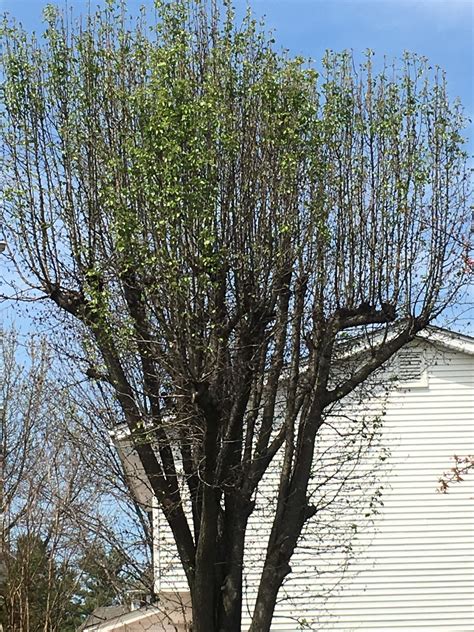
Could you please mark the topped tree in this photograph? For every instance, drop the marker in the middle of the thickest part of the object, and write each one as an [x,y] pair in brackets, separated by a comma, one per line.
[216,215]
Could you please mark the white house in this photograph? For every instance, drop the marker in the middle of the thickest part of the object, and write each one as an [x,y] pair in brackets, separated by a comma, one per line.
[387,551]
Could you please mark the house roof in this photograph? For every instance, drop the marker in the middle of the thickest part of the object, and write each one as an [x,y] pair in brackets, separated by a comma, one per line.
[171,612]
[452,340]
[445,338]
[100,615]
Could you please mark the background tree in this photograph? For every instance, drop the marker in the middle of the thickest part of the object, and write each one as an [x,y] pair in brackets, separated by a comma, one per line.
[212,217]
[103,577]
[55,504]
[37,493]
[39,590]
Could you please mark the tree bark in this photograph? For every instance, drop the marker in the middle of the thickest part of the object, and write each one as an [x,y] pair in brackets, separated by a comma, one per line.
[237,514]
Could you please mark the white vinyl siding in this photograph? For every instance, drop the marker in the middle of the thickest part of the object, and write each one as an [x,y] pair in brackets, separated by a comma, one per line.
[417,570]
[412,565]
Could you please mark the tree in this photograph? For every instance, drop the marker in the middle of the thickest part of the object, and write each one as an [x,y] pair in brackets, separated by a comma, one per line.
[211,218]
[54,502]
[104,579]
[38,593]
[36,494]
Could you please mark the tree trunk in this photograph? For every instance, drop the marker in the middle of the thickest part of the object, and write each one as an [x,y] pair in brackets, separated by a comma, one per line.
[273,574]
[238,511]
[293,511]
[203,593]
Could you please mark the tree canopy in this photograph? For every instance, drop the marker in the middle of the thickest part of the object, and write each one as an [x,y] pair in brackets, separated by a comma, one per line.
[212,217]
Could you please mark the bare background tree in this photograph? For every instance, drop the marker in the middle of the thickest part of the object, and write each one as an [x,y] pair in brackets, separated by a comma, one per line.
[212,218]
[63,549]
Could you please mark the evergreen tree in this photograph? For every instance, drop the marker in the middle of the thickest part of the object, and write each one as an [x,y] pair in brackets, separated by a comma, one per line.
[103,578]
[39,591]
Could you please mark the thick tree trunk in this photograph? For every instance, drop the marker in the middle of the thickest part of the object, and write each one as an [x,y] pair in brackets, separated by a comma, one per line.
[217,596]
[203,593]
[238,511]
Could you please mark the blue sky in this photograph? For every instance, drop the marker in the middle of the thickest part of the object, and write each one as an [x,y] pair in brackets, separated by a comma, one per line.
[442,30]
